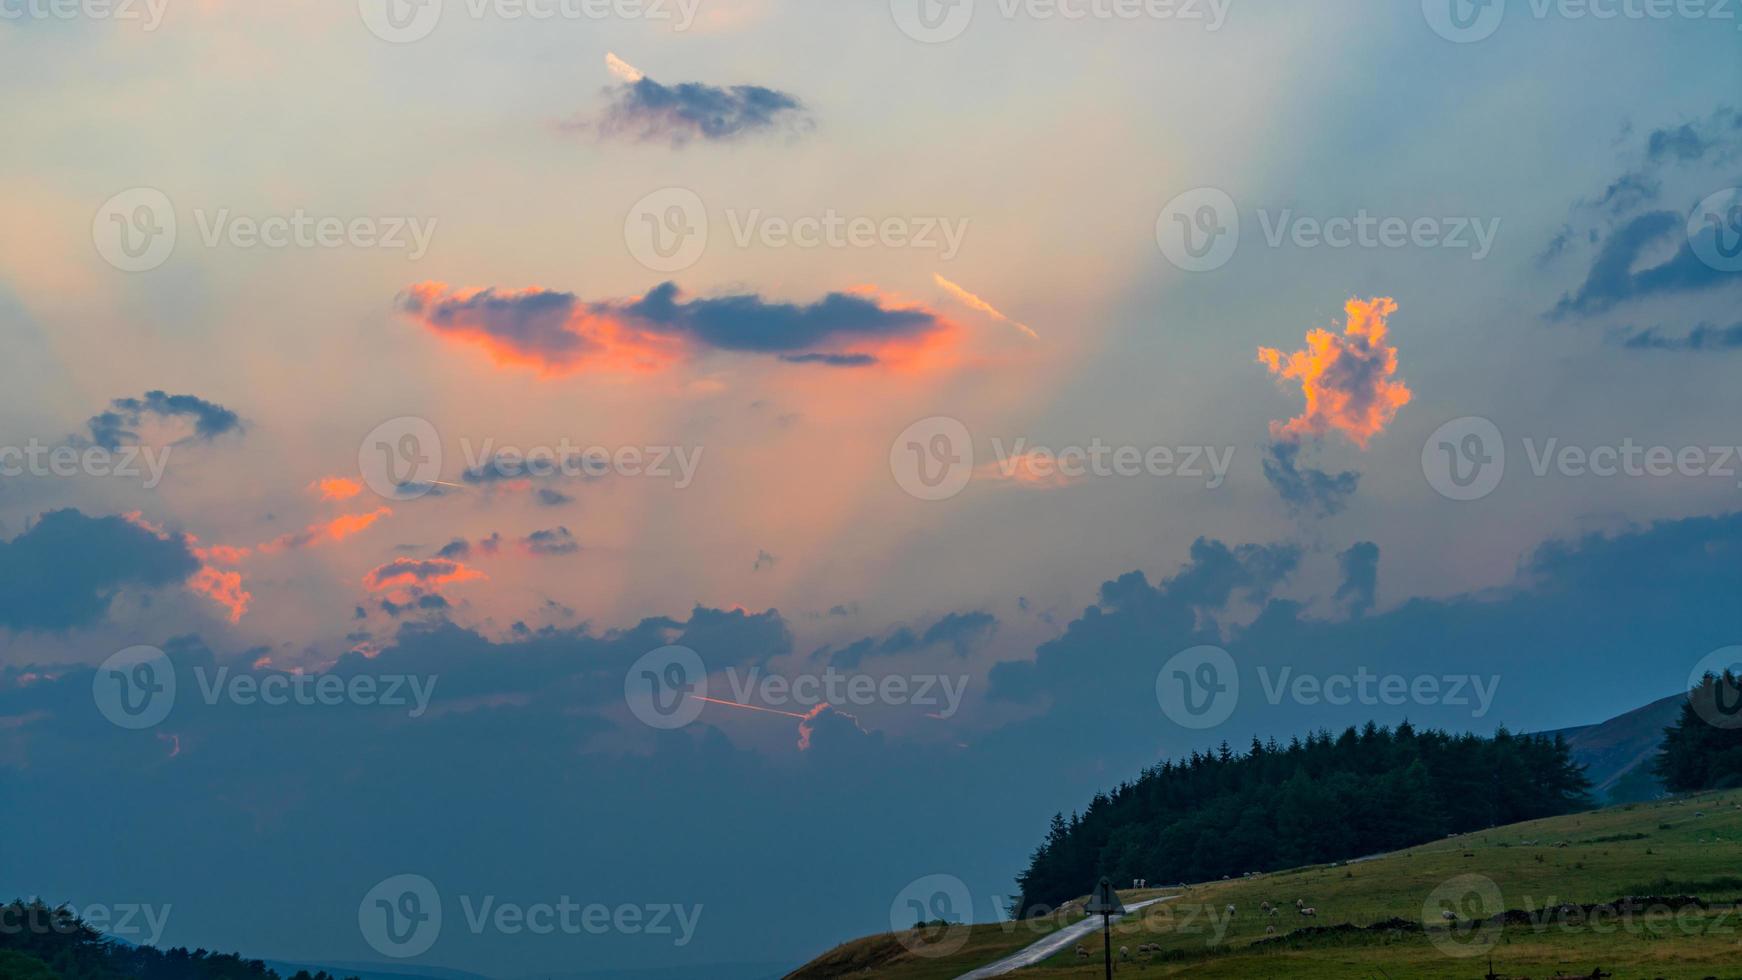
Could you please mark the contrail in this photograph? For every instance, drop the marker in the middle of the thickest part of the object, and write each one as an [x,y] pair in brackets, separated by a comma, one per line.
[752,707]
[974,302]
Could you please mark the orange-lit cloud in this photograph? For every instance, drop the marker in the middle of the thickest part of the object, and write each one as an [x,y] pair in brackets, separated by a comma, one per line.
[422,572]
[224,588]
[1034,469]
[557,333]
[337,529]
[336,487]
[1348,380]
[976,303]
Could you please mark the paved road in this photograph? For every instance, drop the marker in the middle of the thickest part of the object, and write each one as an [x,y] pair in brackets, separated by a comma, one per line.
[1052,944]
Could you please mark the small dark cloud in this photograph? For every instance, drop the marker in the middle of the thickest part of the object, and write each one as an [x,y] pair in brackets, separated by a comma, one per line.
[429,602]
[457,548]
[116,427]
[763,560]
[550,542]
[648,111]
[64,570]
[1705,336]
[1360,569]
[1303,488]
[832,360]
[553,498]
[959,631]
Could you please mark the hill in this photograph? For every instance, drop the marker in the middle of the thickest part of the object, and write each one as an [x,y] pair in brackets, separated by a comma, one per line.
[1618,754]
[1537,896]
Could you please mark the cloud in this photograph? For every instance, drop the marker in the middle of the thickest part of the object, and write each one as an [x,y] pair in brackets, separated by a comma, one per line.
[424,572]
[63,571]
[1615,278]
[550,542]
[1305,489]
[336,488]
[960,632]
[644,110]
[1360,567]
[556,333]
[337,529]
[1704,336]
[1348,380]
[763,560]
[553,498]
[115,427]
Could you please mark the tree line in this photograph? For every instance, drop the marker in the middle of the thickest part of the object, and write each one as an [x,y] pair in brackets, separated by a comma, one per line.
[1703,749]
[42,942]
[1318,799]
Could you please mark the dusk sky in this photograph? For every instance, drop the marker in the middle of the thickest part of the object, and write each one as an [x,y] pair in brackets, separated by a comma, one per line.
[963,363]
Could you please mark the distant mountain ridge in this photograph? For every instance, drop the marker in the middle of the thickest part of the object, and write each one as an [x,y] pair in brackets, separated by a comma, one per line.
[1618,754]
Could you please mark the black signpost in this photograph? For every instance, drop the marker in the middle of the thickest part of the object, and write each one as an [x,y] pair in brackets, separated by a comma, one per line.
[1105,901]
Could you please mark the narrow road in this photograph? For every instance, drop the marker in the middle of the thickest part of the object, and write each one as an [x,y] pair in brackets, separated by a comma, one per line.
[1053,943]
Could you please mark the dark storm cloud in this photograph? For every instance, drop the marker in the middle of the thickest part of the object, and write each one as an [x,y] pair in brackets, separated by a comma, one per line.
[1614,279]
[1360,569]
[63,571]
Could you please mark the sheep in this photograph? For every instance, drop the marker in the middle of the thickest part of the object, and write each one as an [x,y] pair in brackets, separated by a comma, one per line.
[1273,911]
[1270,930]
[1300,903]
[1448,915]
[1264,906]
[1309,910]
[1082,954]
[1230,910]
[1124,954]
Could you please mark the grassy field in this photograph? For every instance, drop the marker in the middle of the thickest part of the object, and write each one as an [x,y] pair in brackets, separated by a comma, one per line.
[1383,918]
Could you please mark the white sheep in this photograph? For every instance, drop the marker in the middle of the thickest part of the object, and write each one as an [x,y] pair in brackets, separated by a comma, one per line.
[1125,954]
[1448,915]
[1309,910]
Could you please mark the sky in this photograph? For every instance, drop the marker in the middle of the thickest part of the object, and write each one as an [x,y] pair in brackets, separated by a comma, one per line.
[740,463]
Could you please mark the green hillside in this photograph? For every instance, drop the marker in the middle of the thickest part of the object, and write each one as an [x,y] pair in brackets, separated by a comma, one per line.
[1383,917]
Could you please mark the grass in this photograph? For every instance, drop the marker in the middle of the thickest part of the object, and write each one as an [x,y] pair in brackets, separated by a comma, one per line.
[1388,911]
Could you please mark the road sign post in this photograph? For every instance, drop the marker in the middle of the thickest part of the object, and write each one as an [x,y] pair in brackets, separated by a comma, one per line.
[1105,901]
